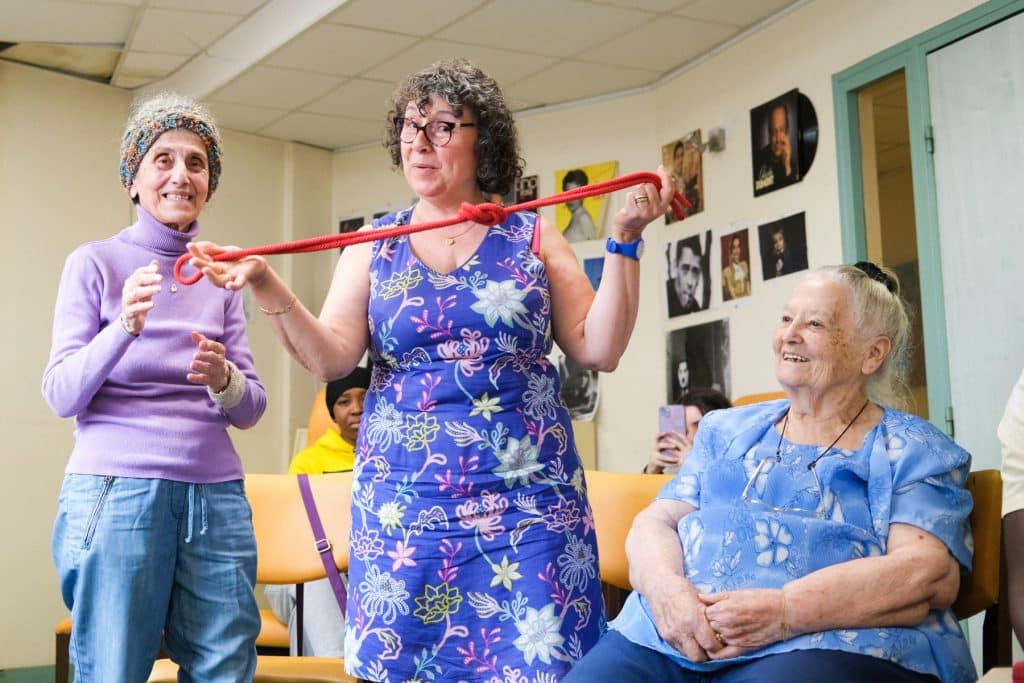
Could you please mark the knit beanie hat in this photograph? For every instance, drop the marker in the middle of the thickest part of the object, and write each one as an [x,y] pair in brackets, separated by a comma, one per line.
[359,378]
[153,117]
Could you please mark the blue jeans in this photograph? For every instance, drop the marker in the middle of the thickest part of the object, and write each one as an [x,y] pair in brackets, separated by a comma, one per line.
[617,659]
[141,559]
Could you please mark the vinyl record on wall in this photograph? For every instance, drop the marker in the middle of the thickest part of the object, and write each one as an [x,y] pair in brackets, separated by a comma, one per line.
[808,127]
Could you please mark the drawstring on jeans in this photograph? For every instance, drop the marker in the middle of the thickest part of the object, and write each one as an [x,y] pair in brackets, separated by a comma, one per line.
[191,510]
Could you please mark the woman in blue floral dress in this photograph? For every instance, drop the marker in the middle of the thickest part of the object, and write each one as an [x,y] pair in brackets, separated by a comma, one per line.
[473,554]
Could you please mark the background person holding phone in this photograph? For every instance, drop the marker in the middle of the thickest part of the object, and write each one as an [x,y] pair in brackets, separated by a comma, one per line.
[677,425]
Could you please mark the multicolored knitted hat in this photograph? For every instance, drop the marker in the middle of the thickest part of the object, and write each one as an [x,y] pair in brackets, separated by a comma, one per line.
[154,117]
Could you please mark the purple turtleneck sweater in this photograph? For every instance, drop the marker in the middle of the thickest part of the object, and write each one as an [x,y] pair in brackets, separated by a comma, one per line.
[135,413]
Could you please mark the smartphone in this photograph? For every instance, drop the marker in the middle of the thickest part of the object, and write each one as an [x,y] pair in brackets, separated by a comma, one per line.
[672,418]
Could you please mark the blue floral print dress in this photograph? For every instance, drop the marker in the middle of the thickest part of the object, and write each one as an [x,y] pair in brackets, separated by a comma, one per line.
[473,554]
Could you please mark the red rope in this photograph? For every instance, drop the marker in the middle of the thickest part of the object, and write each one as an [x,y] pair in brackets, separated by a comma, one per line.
[484,213]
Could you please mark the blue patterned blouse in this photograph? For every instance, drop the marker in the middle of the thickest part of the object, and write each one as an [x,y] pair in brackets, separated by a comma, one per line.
[790,524]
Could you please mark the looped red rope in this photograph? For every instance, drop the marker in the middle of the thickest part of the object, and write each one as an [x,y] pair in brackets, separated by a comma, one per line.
[484,213]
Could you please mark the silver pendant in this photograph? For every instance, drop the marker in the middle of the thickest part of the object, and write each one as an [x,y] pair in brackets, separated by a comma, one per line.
[174,288]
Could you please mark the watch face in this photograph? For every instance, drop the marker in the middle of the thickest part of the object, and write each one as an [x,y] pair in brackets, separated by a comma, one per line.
[639,248]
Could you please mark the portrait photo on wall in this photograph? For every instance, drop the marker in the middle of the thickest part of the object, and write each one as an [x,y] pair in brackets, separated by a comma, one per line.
[775,149]
[583,220]
[525,189]
[593,267]
[735,248]
[698,356]
[783,246]
[580,391]
[688,274]
[684,160]
[351,224]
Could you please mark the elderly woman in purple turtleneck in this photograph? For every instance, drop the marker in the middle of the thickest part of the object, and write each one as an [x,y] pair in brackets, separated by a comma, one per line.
[153,537]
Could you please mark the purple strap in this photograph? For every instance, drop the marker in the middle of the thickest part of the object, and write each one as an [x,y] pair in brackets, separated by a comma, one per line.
[322,544]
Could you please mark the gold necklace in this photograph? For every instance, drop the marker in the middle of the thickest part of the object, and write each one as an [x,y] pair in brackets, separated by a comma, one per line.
[450,241]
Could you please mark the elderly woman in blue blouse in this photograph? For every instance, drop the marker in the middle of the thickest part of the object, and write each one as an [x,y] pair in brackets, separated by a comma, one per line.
[819,537]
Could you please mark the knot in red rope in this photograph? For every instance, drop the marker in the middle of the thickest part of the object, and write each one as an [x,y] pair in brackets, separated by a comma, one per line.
[485,214]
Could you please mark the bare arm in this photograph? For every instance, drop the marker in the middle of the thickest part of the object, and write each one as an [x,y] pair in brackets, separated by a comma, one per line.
[656,572]
[917,574]
[594,329]
[329,346]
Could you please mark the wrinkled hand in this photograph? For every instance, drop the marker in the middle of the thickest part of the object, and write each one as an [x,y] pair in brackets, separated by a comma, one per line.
[670,450]
[226,274]
[634,216]
[209,365]
[747,619]
[679,617]
[137,297]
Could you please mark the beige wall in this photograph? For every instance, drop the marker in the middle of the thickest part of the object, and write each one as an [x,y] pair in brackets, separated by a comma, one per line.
[58,188]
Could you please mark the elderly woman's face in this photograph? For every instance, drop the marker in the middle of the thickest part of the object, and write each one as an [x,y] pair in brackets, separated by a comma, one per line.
[442,172]
[173,180]
[817,344]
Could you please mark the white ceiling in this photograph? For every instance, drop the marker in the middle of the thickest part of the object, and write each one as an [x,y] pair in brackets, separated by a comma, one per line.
[319,71]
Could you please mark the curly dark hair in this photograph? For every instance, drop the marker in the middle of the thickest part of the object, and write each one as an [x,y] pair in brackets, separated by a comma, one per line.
[462,84]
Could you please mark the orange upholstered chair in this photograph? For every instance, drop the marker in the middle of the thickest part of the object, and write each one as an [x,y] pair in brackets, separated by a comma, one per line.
[319,419]
[758,398]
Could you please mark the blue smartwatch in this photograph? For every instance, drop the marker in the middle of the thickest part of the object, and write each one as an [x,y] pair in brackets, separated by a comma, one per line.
[633,250]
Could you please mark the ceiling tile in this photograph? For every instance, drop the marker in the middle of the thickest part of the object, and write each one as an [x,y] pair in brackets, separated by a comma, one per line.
[661,45]
[355,99]
[131,3]
[267,86]
[180,33]
[741,13]
[651,5]
[52,21]
[78,60]
[420,18]
[561,29]
[243,117]
[149,64]
[576,80]
[218,7]
[339,50]
[130,82]
[330,132]
[503,66]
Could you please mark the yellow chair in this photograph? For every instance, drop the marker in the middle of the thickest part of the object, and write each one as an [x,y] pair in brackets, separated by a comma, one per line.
[285,552]
[758,398]
[319,419]
[984,589]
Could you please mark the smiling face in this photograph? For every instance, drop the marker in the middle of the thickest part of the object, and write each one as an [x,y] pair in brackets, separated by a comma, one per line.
[735,251]
[817,343]
[348,411]
[779,131]
[445,173]
[173,180]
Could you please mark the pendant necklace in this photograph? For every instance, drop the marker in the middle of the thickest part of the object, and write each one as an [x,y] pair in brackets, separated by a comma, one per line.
[811,465]
[450,241]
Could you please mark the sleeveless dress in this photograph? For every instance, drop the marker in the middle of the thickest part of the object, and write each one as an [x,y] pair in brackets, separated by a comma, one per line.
[473,553]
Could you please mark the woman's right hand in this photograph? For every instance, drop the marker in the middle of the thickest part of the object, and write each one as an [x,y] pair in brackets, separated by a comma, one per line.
[679,617]
[226,274]
[137,297]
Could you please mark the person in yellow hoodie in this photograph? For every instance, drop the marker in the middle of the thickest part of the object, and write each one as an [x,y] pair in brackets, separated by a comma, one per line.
[335,450]
[323,629]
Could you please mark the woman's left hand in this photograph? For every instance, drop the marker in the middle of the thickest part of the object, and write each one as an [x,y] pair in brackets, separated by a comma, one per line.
[643,204]
[746,619]
[209,365]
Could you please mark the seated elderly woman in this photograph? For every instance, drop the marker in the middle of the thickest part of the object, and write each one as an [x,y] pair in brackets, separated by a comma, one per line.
[819,537]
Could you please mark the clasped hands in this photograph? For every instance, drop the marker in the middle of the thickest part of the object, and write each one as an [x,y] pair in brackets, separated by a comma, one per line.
[717,626]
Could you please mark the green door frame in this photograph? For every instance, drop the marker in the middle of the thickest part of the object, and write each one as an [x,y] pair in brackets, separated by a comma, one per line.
[910,56]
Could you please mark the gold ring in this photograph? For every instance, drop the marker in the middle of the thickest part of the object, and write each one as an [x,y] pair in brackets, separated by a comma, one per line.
[640,199]
[719,637]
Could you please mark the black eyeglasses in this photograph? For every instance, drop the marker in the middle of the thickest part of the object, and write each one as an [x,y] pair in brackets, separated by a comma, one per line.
[439,133]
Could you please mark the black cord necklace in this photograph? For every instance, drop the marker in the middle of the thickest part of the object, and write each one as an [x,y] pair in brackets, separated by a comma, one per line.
[811,465]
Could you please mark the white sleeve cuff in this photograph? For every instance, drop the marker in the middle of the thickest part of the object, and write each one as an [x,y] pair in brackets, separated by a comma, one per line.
[233,392]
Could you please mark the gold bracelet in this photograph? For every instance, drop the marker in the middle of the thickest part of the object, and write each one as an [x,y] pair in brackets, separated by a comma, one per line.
[289,306]
[786,628]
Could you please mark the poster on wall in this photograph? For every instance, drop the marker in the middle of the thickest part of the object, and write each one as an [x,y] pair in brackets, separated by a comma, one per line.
[684,160]
[580,389]
[698,356]
[593,267]
[525,189]
[350,224]
[774,128]
[783,245]
[583,220]
[688,274]
[735,248]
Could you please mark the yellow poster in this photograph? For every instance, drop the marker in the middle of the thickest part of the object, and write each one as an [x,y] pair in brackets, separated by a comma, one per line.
[583,220]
